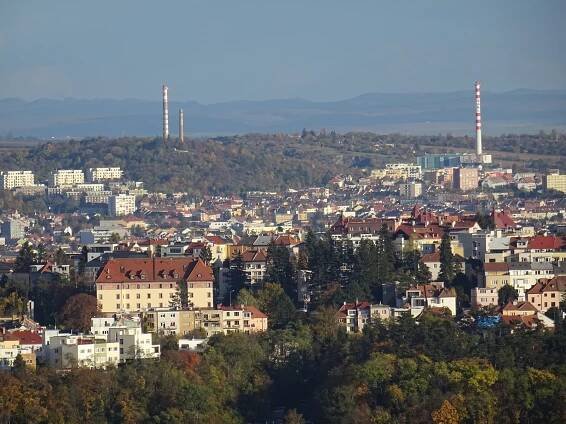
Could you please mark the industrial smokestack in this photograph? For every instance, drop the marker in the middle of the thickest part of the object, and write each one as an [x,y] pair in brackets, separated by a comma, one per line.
[165,115]
[181,126]
[478,121]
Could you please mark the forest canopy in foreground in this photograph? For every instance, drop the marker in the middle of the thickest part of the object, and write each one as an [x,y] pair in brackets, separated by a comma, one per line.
[312,371]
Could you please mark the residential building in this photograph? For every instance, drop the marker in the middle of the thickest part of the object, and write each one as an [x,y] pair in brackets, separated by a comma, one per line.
[433,295]
[484,297]
[15,179]
[104,174]
[140,284]
[546,294]
[411,190]
[10,349]
[66,178]
[432,261]
[64,351]
[354,316]
[121,204]
[255,265]
[465,179]
[133,342]
[13,229]
[555,181]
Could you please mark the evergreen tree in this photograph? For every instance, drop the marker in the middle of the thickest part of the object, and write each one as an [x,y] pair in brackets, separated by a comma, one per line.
[83,260]
[447,263]
[238,276]
[281,269]
[385,261]
[26,258]
[205,255]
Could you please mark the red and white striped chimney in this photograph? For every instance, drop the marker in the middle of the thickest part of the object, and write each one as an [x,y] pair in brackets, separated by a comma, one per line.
[478,120]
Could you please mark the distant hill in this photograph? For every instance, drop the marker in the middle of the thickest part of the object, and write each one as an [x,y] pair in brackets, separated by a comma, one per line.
[432,113]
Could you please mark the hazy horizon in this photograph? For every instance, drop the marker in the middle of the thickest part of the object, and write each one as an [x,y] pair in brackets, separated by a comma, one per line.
[215,52]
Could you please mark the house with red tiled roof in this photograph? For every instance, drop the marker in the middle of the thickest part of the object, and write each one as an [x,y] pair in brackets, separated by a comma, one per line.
[425,238]
[547,293]
[354,316]
[524,314]
[502,220]
[255,265]
[426,296]
[137,284]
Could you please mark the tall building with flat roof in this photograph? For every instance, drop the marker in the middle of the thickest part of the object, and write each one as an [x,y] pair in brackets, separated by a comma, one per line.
[555,181]
[104,174]
[13,229]
[121,204]
[66,177]
[466,179]
[15,179]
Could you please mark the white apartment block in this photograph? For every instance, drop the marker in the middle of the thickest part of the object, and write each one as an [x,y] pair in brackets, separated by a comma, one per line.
[66,178]
[121,204]
[15,179]
[403,171]
[104,174]
[64,351]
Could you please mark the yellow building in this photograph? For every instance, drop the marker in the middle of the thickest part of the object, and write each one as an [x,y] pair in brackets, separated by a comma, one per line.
[496,275]
[134,285]
[555,181]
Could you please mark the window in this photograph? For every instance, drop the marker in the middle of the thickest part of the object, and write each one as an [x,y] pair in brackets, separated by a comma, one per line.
[117,286]
[127,306]
[149,305]
[209,294]
[117,296]
[138,305]
[138,296]
[117,306]
[161,295]
[99,297]
[149,295]
[127,295]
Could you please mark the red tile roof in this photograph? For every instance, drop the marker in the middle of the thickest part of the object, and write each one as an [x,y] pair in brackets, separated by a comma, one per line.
[254,256]
[24,337]
[154,270]
[496,267]
[547,243]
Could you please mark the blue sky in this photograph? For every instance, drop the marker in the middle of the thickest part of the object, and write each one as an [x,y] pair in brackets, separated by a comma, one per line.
[218,50]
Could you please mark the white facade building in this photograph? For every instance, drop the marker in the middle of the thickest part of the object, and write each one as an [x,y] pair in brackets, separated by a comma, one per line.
[121,204]
[66,177]
[104,174]
[14,179]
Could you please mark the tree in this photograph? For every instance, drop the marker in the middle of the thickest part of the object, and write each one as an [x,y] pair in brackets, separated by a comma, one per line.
[238,276]
[19,366]
[83,260]
[114,238]
[281,269]
[61,257]
[13,305]
[77,312]
[205,255]
[447,263]
[180,299]
[507,294]
[446,414]
[26,258]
